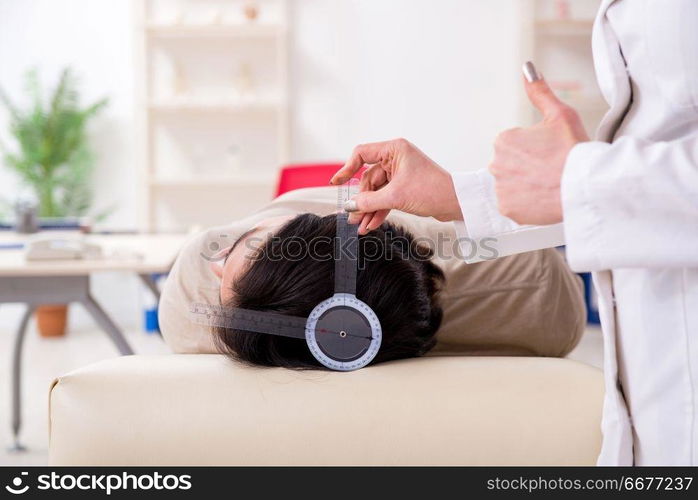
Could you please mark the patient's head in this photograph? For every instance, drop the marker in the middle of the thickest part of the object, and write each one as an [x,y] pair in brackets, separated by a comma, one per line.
[395,278]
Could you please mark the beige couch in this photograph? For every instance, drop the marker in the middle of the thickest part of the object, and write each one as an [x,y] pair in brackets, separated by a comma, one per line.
[205,409]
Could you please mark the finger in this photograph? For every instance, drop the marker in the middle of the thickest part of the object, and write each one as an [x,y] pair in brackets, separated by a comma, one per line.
[364,223]
[371,201]
[373,178]
[365,153]
[356,217]
[377,219]
[539,93]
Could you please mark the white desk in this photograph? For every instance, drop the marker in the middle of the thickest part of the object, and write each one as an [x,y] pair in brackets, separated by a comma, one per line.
[50,282]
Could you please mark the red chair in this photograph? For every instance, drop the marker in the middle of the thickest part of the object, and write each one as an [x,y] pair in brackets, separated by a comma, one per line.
[307,175]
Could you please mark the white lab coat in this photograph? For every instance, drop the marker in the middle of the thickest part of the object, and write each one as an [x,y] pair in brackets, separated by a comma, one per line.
[630,207]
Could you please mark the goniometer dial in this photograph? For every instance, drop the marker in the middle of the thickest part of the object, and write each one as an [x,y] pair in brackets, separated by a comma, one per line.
[343,333]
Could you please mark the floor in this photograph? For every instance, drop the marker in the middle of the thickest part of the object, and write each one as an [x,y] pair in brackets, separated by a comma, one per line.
[46,359]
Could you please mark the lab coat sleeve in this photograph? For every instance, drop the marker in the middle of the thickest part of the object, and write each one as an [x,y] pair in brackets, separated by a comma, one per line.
[484,234]
[632,203]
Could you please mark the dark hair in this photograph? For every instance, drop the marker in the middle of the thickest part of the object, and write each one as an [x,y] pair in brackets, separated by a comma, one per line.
[396,278]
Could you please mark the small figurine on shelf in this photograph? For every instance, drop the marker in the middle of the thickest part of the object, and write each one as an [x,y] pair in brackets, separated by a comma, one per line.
[178,16]
[251,10]
[233,157]
[180,86]
[244,82]
[218,16]
[562,9]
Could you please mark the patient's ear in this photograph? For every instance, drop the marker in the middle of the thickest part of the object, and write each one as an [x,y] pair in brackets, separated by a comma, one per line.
[217,269]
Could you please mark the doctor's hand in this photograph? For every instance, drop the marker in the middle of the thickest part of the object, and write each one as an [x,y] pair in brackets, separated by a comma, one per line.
[528,162]
[399,176]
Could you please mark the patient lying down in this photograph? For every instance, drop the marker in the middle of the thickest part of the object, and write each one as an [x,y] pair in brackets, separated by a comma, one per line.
[400,285]
[528,304]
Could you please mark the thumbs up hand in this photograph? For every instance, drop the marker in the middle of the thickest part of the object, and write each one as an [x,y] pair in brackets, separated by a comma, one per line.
[528,162]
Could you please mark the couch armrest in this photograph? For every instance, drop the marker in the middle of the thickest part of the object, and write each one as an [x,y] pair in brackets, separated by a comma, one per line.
[205,409]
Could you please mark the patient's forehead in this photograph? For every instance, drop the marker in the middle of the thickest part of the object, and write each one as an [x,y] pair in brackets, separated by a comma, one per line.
[240,255]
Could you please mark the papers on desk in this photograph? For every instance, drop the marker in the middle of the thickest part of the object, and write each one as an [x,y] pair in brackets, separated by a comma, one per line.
[52,247]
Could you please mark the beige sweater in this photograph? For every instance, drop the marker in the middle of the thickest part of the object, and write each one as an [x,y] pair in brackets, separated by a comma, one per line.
[528,304]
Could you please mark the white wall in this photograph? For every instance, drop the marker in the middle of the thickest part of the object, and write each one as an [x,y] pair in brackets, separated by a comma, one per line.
[95,38]
[443,73]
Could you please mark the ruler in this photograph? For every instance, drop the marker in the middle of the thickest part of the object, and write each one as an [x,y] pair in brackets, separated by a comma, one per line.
[248,320]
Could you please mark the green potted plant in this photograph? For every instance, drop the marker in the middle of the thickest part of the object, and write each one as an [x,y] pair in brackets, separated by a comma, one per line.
[53,158]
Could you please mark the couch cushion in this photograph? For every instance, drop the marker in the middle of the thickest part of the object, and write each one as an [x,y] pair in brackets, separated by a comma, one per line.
[206,409]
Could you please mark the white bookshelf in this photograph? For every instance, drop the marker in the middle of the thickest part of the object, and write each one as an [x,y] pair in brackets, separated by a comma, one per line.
[560,45]
[216,30]
[213,101]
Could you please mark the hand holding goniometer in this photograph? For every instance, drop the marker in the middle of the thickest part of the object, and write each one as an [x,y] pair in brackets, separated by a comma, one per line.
[399,176]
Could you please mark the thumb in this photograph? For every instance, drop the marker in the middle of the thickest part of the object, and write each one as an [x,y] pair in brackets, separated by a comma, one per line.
[370,201]
[539,93]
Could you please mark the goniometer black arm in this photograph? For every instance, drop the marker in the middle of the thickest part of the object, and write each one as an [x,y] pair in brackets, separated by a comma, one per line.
[346,255]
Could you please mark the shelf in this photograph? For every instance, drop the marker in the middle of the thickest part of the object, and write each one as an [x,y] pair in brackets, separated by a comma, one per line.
[565,27]
[216,31]
[242,180]
[265,106]
[193,106]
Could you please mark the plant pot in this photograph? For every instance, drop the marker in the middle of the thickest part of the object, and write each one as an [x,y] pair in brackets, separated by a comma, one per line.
[51,320]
